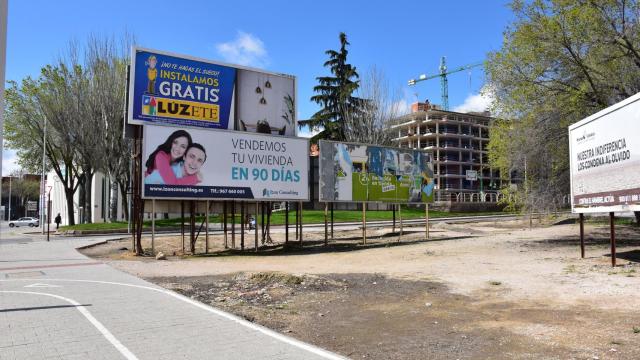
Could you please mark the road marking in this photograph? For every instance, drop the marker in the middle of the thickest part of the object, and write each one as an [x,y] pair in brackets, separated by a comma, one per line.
[49,266]
[286,339]
[98,325]
[39,285]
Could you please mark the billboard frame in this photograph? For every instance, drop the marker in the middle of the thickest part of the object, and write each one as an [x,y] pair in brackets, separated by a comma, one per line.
[430,153]
[132,74]
[246,200]
[594,117]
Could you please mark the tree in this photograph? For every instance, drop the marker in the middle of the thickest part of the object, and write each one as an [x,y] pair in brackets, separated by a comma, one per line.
[561,60]
[28,105]
[376,108]
[334,94]
[106,62]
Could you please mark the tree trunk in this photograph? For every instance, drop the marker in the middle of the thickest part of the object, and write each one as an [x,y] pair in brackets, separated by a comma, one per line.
[88,206]
[125,199]
[113,202]
[69,197]
[637,214]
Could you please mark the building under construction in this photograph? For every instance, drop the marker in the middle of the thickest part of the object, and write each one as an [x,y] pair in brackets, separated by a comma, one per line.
[458,142]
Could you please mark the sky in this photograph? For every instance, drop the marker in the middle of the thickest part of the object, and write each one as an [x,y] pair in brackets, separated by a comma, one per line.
[403,39]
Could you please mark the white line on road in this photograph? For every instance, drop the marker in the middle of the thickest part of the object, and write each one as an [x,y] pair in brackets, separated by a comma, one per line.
[103,330]
[286,339]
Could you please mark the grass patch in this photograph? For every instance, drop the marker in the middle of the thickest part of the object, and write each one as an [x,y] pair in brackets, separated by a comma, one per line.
[278,218]
[495,283]
[636,329]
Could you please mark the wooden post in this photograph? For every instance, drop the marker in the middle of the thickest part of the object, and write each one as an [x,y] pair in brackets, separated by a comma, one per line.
[192,227]
[262,223]
[256,229]
[393,207]
[182,223]
[242,222]
[286,223]
[400,218]
[326,224]
[206,230]
[612,227]
[364,223]
[233,224]
[224,226]
[153,226]
[297,219]
[582,235]
[426,219]
[331,221]
[300,223]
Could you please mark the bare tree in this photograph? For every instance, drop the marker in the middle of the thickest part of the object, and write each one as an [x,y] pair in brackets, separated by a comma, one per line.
[106,61]
[377,107]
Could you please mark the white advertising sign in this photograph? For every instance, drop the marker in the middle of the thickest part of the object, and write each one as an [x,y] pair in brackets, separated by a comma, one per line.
[203,164]
[605,159]
[471,175]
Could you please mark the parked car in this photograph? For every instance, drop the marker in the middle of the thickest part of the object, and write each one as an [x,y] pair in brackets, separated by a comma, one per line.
[25,221]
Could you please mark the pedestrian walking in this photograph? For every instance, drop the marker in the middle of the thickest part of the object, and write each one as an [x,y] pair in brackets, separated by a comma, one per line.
[58,220]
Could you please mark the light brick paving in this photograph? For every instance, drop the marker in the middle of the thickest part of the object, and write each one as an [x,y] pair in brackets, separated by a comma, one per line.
[151,324]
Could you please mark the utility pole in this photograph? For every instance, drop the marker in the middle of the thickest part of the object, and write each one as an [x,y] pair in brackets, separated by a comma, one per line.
[3,59]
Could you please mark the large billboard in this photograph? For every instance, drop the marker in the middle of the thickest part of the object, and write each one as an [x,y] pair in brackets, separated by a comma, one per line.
[605,159]
[189,163]
[367,173]
[178,90]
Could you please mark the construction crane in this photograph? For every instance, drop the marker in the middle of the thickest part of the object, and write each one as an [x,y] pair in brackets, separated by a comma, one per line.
[443,79]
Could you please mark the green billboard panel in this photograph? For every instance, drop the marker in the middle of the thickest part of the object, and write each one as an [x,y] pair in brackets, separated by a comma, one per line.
[370,173]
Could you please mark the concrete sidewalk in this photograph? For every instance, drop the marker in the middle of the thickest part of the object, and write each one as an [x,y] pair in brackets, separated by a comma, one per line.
[57,303]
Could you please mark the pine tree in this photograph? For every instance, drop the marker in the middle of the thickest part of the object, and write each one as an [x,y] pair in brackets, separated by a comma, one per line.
[334,94]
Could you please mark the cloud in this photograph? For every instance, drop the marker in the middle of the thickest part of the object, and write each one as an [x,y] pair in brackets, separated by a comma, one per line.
[306,133]
[246,49]
[476,102]
[9,162]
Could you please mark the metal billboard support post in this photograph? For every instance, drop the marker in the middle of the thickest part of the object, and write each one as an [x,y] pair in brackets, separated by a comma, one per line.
[364,223]
[192,227]
[582,235]
[262,233]
[206,230]
[612,227]
[153,226]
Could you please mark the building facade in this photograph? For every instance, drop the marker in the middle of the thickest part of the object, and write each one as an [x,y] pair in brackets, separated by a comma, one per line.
[458,142]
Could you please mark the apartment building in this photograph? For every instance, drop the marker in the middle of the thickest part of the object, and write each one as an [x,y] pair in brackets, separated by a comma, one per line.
[458,142]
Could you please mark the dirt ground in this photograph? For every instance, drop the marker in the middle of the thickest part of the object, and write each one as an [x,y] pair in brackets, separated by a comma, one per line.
[477,290]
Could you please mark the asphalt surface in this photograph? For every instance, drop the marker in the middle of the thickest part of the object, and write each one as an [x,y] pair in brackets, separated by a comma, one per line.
[56,303]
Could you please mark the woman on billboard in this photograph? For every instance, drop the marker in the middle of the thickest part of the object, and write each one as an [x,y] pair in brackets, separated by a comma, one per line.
[168,154]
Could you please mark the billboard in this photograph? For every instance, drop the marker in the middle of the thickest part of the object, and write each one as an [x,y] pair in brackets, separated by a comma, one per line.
[605,159]
[170,89]
[187,163]
[367,173]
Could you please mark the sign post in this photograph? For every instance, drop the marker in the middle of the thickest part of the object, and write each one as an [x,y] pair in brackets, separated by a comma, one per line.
[604,153]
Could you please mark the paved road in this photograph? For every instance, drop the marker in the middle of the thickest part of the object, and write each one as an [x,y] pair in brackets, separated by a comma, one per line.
[56,303]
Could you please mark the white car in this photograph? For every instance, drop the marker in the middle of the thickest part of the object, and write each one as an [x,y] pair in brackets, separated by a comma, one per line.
[25,221]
